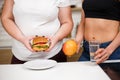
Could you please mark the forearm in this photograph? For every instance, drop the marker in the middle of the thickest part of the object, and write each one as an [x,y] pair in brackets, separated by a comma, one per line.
[65,18]
[7,19]
[80,30]
[12,29]
[115,43]
[80,33]
[64,30]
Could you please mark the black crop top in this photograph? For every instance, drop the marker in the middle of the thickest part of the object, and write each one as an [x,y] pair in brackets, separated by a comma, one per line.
[106,9]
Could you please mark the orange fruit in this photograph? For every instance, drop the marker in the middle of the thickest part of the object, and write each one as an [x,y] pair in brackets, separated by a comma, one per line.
[69,47]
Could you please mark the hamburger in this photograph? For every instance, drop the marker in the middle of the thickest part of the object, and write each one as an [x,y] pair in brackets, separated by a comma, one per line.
[40,43]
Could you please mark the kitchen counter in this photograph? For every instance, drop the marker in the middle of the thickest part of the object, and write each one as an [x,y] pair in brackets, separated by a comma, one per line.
[62,71]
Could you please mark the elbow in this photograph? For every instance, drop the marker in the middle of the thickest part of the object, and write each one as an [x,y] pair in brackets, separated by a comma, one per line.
[4,19]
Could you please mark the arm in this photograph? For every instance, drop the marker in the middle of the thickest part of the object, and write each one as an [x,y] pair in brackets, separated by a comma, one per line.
[9,24]
[65,17]
[80,30]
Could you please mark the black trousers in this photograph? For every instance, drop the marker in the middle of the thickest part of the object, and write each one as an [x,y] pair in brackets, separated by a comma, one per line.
[111,70]
[60,57]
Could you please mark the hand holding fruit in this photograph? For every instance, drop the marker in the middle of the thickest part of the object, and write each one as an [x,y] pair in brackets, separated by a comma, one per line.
[69,47]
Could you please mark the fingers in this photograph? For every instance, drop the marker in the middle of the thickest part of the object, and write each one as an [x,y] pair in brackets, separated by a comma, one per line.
[102,59]
[28,46]
[101,56]
[78,49]
[99,53]
[78,45]
[52,44]
[27,42]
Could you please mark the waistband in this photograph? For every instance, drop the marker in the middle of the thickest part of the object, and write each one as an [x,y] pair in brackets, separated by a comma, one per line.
[102,45]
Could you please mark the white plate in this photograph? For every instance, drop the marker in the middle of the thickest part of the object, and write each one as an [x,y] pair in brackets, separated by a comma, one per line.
[40,64]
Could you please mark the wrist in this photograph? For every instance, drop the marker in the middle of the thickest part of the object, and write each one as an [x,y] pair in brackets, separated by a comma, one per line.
[22,39]
[78,40]
[109,50]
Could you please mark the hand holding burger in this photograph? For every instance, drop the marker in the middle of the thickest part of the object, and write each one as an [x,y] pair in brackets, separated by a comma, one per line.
[40,43]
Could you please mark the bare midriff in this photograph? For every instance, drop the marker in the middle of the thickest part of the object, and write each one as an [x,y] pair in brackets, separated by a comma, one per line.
[101,30]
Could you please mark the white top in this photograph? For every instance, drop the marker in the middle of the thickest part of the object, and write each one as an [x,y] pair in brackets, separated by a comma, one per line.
[72,71]
[37,17]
